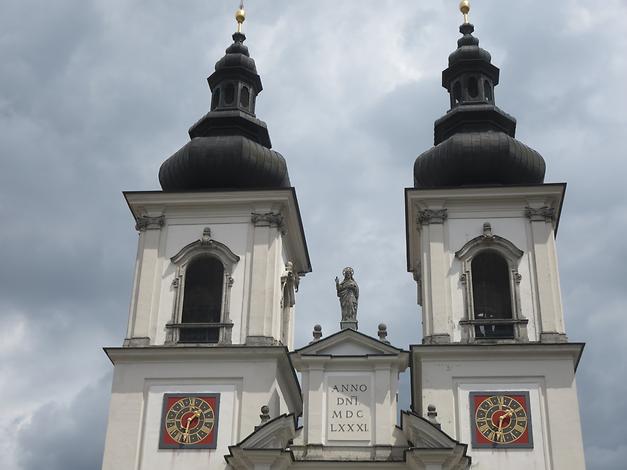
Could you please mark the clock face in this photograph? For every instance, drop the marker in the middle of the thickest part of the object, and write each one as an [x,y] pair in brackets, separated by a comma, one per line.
[500,420]
[189,421]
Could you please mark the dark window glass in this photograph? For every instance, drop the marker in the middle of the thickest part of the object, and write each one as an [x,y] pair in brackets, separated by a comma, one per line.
[215,99]
[244,99]
[229,94]
[491,295]
[473,87]
[487,89]
[202,300]
[457,92]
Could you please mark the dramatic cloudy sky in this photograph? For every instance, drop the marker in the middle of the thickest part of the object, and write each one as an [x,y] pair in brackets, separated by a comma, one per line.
[95,94]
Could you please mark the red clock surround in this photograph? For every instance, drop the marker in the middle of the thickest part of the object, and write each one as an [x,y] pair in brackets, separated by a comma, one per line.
[500,420]
[189,421]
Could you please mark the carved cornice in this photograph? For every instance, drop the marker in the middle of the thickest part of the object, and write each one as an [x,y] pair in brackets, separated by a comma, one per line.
[541,214]
[144,223]
[432,216]
[269,219]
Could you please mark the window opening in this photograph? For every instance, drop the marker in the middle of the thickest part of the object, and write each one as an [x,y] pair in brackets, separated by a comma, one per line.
[487,91]
[473,87]
[229,94]
[215,98]
[202,300]
[244,100]
[491,295]
[457,93]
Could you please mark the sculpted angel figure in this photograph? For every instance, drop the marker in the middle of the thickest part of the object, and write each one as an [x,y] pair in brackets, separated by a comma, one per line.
[348,292]
[289,285]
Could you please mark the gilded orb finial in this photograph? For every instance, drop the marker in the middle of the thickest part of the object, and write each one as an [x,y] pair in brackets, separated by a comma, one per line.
[240,16]
[464,7]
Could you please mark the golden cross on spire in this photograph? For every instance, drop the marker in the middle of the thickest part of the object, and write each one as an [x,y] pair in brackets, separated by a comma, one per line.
[464,7]
[240,16]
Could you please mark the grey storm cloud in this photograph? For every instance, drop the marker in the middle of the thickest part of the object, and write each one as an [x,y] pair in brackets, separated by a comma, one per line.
[95,94]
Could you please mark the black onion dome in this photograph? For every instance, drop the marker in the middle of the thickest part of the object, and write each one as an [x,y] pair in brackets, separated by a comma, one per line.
[229,147]
[475,140]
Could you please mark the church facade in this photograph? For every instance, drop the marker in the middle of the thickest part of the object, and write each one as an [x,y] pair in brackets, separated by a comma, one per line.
[207,377]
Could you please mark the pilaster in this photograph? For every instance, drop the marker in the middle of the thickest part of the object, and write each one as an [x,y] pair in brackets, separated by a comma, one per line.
[147,270]
[264,313]
[431,223]
[547,286]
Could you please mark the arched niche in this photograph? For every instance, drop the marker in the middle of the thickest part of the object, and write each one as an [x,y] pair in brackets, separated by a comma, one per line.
[496,316]
[216,261]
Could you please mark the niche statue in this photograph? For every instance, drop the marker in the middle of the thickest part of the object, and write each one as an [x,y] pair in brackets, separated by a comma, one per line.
[348,292]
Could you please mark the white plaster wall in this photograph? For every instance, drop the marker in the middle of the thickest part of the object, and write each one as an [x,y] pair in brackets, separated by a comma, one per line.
[432,243]
[180,232]
[153,458]
[367,402]
[558,445]
[379,402]
[154,296]
[136,405]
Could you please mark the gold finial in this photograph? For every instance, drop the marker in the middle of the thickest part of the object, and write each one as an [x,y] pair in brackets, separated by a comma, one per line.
[464,7]
[240,16]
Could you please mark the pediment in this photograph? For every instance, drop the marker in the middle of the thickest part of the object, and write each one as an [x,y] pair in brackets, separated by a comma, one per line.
[348,343]
[275,434]
[421,433]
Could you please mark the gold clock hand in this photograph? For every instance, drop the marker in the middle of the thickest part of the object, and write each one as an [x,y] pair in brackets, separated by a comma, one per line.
[196,414]
[501,418]
[186,433]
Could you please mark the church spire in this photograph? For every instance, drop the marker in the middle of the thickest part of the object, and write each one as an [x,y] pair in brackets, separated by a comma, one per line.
[229,147]
[464,7]
[240,16]
[474,141]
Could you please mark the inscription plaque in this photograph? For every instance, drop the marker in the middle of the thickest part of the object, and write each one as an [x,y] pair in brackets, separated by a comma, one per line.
[349,401]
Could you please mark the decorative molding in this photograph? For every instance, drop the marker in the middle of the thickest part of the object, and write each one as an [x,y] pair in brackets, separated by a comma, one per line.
[206,236]
[541,214]
[205,246]
[137,342]
[269,219]
[144,223]
[547,337]
[317,334]
[262,341]
[432,216]
[444,338]
[383,333]
[489,240]
[487,231]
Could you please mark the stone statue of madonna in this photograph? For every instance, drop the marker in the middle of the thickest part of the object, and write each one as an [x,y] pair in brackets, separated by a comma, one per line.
[348,292]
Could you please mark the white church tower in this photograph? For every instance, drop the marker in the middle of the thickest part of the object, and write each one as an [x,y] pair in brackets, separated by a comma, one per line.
[221,250]
[481,226]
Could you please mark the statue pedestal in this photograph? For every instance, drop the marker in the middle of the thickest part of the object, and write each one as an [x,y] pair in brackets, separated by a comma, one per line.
[348,325]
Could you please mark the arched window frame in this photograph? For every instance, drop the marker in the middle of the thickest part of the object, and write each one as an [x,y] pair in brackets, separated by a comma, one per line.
[204,247]
[512,256]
